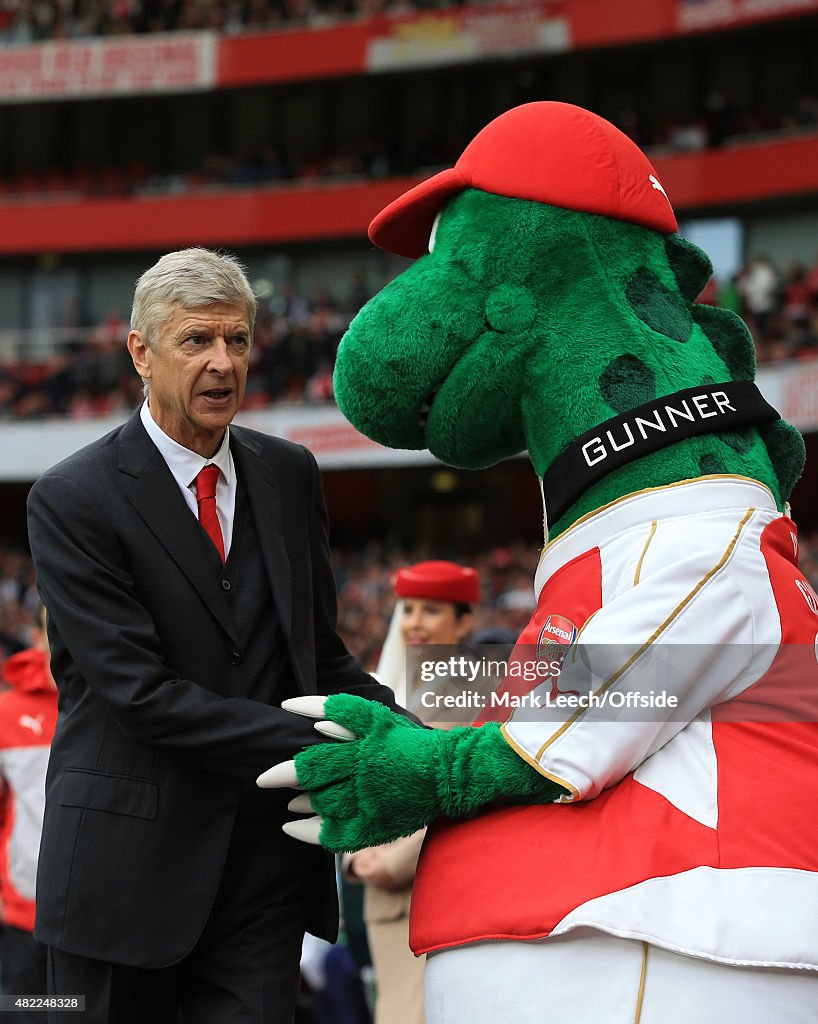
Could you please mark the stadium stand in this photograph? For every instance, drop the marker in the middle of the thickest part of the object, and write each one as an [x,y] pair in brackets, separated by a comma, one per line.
[276,129]
[296,339]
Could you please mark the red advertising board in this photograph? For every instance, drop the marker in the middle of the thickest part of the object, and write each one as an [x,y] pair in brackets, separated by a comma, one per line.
[708,15]
[121,66]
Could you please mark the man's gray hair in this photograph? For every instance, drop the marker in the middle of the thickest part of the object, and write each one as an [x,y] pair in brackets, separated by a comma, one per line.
[189,279]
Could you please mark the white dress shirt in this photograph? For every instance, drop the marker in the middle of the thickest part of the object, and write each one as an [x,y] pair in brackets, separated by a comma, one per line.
[186,466]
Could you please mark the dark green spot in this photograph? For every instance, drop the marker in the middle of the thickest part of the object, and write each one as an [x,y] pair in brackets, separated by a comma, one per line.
[710,464]
[739,440]
[661,309]
[707,379]
[626,382]
[786,449]
[730,339]
[691,267]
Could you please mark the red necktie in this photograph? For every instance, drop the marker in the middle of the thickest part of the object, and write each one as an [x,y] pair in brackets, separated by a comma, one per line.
[206,497]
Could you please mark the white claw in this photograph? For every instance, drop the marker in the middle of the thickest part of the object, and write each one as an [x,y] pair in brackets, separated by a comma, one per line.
[305,829]
[301,805]
[335,731]
[280,776]
[312,706]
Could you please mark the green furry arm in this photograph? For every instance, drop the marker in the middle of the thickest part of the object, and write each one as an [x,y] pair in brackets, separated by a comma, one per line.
[396,776]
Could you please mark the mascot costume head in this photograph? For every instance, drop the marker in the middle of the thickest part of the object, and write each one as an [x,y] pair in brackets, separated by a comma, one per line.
[551,293]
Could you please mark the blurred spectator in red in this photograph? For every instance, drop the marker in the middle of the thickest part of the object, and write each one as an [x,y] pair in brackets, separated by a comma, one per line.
[797,295]
[28,714]
[319,385]
[710,295]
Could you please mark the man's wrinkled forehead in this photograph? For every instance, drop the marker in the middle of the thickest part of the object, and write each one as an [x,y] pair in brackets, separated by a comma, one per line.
[215,316]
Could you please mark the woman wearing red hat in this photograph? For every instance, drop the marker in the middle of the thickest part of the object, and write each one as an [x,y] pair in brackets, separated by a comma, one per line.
[434,607]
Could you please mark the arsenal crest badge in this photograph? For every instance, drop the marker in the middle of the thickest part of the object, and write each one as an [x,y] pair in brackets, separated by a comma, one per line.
[555,638]
[553,644]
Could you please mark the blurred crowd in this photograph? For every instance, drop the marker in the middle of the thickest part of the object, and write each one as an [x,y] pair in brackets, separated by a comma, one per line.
[28,21]
[779,306]
[91,373]
[19,601]
[297,337]
[369,156]
[718,120]
[365,596]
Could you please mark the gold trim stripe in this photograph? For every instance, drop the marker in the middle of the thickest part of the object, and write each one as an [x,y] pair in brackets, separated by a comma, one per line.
[654,636]
[539,768]
[575,644]
[644,552]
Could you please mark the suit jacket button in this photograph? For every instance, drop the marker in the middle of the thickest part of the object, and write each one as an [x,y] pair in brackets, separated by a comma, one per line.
[235,657]
[225,584]
[229,809]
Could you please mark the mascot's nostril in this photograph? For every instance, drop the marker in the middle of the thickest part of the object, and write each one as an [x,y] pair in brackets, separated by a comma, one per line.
[510,309]
[426,405]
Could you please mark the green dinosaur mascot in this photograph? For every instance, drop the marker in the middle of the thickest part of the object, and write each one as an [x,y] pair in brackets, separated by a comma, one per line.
[642,814]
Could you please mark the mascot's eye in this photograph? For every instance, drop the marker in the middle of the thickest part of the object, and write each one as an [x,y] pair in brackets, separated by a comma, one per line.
[433,234]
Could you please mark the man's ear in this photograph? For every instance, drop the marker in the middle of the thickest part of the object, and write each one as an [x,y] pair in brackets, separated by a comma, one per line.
[140,353]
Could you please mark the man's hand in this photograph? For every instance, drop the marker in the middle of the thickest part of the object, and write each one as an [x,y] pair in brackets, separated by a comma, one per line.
[394,776]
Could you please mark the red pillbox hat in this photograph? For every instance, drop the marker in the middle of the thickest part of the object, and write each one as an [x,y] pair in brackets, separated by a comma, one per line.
[438,581]
[549,152]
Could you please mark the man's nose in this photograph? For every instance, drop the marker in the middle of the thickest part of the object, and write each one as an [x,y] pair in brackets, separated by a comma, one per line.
[219,361]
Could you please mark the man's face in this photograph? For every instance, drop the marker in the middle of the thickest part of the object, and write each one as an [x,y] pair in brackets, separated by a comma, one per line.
[197,370]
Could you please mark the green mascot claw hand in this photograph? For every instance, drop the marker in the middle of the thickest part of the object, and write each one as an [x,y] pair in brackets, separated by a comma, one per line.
[393,776]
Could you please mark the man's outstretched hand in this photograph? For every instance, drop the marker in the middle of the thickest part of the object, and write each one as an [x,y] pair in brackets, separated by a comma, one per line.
[393,776]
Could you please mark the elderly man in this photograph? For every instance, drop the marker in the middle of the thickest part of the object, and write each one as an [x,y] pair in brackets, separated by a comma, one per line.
[185,567]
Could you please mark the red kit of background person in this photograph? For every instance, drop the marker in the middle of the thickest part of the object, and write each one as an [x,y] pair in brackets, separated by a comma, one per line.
[28,714]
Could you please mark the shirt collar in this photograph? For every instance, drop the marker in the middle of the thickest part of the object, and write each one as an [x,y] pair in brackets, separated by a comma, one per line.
[183,463]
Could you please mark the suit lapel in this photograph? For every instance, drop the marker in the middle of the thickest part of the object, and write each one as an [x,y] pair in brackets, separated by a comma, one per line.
[150,487]
[264,497]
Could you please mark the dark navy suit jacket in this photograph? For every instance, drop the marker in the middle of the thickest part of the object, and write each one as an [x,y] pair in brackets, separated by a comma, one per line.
[155,739]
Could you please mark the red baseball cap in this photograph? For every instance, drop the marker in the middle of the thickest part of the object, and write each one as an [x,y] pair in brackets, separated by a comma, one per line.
[548,152]
[438,581]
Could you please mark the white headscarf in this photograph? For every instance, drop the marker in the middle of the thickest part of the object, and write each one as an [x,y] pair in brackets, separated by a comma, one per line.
[391,670]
